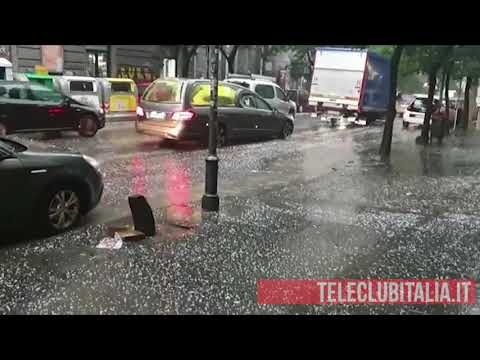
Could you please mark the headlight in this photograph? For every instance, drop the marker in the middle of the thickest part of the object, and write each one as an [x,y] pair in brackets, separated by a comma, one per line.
[94,163]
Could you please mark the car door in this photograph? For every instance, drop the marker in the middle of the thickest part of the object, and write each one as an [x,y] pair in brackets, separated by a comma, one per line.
[16,109]
[50,110]
[251,115]
[261,113]
[229,113]
[282,100]
[13,204]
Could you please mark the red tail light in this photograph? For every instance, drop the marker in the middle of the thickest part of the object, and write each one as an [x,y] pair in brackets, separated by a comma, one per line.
[106,107]
[184,115]
[56,110]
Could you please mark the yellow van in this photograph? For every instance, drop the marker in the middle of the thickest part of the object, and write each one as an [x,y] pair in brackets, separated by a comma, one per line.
[119,98]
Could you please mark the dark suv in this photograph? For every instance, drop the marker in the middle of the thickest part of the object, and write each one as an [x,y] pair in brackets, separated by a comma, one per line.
[30,107]
[50,190]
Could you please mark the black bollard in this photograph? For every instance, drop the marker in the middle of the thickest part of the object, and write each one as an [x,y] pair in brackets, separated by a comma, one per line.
[142,215]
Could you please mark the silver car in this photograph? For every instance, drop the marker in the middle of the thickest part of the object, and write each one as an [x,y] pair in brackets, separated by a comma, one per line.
[267,89]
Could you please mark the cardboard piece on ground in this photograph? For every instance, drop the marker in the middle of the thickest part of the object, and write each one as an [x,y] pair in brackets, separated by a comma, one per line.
[132,235]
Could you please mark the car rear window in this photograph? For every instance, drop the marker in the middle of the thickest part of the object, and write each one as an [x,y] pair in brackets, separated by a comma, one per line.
[201,95]
[164,91]
[121,87]
[81,86]
[13,91]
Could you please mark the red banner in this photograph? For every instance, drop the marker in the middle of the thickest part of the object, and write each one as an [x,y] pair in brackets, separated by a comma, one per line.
[323,292]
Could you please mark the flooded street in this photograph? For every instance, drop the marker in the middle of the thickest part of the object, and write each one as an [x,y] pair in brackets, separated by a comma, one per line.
[318,205]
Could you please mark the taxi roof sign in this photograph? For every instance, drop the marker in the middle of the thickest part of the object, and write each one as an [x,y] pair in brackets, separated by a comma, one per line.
[41,70]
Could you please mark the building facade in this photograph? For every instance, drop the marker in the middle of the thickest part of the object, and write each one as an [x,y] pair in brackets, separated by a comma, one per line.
[138,62]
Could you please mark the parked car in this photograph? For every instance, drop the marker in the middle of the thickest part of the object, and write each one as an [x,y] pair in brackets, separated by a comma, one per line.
[30,107]
[414,114]
[178,109]
[83,89]
[6,72]
[268,90]
[48,190]
[118,98]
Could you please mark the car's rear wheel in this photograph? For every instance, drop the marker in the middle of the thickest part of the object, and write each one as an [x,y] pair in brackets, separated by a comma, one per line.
[88,127]
[60,210]
[3,129]
[405,124]
[287,130]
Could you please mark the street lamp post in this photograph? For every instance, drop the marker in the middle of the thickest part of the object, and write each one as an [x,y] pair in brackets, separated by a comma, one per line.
[210,200]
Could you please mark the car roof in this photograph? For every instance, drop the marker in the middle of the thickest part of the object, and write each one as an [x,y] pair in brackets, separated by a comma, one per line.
[79,78]
[13,82]
[252,81]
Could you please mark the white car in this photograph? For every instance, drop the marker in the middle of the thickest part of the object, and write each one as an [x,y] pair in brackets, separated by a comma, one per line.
[268,90]
[414,114]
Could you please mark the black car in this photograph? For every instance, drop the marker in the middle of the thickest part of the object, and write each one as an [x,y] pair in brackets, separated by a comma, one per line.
[50,190]
[178,109]
[30,107]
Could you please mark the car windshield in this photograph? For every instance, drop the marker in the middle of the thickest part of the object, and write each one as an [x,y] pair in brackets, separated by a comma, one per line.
[12,146]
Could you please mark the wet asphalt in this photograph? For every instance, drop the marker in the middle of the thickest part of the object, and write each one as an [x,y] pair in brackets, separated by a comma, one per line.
[318,205]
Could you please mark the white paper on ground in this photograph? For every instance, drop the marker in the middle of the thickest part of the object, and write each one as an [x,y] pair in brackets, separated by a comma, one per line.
[114,243]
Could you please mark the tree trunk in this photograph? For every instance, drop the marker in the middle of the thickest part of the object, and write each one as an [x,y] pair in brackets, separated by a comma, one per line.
[386,145]
[231,65]
[446,127]
[466,106]
[447,87]
[432,82]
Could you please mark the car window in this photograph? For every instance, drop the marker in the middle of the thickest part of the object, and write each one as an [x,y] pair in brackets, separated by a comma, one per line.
[248,101]
[42,93]
[262,104]
[13,92]
[164,91]
[280,94]
[265,91]
[81,86]
[201,95]
[121,87]
[12,146]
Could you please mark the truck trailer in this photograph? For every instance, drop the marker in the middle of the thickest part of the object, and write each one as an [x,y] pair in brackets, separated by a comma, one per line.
[352,85]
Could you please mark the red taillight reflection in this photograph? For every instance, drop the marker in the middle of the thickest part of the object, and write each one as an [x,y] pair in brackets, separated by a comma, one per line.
[56,110]
[139,176]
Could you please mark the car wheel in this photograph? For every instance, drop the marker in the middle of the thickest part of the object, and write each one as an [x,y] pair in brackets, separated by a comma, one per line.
[221,136]
[88,127]
[60,210]
[287,130]
[3,129]
[405,124]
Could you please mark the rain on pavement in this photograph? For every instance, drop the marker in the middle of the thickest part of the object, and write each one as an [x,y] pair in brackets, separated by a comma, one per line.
[319,205]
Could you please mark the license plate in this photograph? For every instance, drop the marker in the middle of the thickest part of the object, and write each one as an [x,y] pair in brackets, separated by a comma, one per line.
[121,106]
[157,115]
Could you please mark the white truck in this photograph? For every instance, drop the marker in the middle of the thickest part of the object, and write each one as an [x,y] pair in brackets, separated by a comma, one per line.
[6,72]
[350,85]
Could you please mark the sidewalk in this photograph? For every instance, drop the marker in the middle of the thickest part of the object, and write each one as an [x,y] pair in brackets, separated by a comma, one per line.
[332,210]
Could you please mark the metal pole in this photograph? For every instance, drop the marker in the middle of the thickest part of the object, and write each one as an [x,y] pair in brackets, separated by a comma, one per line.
[208,61]
[210,200]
